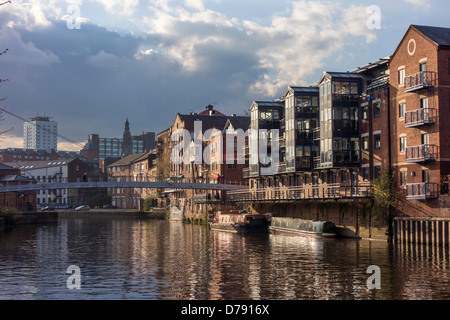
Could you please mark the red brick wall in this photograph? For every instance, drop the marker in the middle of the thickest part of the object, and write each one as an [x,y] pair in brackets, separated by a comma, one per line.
[410,55]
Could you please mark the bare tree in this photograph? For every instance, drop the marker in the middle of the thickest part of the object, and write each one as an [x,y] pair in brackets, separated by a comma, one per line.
[3,132]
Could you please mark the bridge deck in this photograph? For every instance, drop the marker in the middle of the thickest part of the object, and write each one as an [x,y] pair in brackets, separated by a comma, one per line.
[116,184]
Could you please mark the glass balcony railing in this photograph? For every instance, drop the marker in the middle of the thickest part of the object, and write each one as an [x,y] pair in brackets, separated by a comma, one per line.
[421,191]
[422,153]
[420,80]
[419,117]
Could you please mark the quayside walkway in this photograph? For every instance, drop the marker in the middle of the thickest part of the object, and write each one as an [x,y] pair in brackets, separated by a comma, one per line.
[308,192]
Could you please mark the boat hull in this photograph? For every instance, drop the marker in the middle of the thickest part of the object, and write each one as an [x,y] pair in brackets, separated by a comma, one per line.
[240,223]
[324,229]
[240,228]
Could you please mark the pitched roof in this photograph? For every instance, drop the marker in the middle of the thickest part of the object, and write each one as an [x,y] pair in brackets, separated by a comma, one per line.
[36,164]
[439,35]
[205,119]
[128,159]
[14,177]
[239,122]
[6,167]
[145,155]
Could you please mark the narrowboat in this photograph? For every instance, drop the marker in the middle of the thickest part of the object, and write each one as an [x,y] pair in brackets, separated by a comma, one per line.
[239,222]
[324,229]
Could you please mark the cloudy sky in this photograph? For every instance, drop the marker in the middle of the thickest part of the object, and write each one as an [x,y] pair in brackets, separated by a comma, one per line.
[90,64]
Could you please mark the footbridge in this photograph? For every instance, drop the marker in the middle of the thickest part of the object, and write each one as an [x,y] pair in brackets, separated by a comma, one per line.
[9,187]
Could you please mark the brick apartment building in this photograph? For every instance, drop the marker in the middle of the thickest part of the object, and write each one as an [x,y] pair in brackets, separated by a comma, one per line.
[184,163]
[420,91]
[387,116]
[24,201]
[134,167]
[59,171]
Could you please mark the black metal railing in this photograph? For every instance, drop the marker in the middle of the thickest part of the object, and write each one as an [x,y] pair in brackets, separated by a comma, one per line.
[421,153]
[420,117]
[307,192]
[420,80]
[421,191]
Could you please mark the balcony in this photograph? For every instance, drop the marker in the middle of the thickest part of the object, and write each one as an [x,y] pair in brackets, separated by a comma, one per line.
[421,191]
[422,153]
[316,133]
[420,117]
[281,167]
[307,192]
[419,81]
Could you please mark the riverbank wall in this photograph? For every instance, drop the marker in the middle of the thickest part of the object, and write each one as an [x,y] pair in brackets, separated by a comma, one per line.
[114,213]
[50,217]
[354,219]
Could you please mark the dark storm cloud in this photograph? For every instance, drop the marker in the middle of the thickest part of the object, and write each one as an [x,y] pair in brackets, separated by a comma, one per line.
[93,79]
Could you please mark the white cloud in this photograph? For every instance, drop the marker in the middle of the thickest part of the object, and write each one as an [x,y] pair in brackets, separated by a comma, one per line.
[195,4]
[120,7]
[420,3]
[143,53]
[296,45]
[11,141]
[293,46]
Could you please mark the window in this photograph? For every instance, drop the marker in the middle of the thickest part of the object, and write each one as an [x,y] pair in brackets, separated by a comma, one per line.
[376,109]
[401,110]
[424,103]
[423,67]
[377,171]
[401,76]
[425,138]
[426,175]
[403,178]
[403,144]
[366,176]
[377,141]
[365,143]
[365,113]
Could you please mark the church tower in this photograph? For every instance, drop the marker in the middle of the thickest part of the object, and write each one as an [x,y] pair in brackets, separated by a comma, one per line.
[127,144]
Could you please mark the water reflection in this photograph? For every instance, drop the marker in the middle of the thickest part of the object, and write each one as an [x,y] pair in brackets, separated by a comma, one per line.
[137,259]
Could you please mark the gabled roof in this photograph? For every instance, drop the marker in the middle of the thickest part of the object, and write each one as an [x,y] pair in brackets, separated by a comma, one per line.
[6,167]
[38,164]
[127,159]
[267,104]
[14,177]
[340,75]
[215,121]
[238,123]
[301,90]
[144,156]
[439,35]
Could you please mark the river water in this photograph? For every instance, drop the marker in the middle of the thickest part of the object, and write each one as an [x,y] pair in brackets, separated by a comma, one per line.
[167,260]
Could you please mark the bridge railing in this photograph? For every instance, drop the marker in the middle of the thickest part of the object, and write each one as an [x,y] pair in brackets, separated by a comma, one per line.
[322,191]
[120,179]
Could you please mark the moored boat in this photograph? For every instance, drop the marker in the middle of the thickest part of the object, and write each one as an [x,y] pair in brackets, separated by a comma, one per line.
[240,222]
[324,229]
